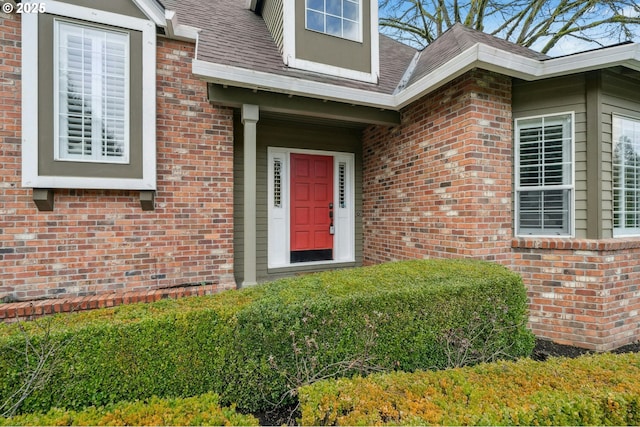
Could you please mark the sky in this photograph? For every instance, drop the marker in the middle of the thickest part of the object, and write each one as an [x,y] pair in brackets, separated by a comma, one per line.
[568,44]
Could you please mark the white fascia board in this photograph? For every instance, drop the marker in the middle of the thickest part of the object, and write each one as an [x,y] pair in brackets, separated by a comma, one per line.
[178,31]
[507,63]
[512,65]
[242,77]
[627,55]
[153,10]
[477,56]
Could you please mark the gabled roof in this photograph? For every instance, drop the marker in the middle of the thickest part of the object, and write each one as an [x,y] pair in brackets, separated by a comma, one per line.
[234,47]
[454,42]
[234,36]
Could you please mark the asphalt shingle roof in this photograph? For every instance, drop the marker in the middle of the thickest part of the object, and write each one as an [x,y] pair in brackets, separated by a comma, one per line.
[235,36]
[456,40]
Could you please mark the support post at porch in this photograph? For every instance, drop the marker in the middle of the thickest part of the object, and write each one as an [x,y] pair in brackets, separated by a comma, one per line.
[250,116]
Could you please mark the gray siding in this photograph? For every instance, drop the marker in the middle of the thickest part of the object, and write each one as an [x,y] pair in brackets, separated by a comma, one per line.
[560,95]
[330,50]
[272,15]
[620,95]
[123,7]
[594,97]
[277,133]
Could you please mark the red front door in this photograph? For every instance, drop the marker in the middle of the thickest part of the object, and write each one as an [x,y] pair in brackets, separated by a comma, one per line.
[311,197]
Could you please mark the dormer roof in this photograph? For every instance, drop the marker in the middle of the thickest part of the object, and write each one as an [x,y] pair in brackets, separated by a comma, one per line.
[234,36]
[235,47]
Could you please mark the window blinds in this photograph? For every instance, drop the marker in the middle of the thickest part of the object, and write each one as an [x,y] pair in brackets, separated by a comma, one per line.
[93,93]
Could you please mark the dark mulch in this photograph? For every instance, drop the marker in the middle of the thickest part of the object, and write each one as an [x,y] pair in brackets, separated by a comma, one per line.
[283,416]
[542,351]
[545,349]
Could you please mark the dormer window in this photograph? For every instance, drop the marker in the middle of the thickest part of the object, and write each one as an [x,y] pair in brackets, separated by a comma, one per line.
[340,18]
[333,37]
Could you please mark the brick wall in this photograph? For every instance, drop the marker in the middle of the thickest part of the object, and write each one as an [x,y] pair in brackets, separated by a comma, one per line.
[582,292]
[101,241]
[439,184]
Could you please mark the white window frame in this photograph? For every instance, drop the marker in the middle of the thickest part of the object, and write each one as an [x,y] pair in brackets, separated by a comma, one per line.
[342,18]
[278,233]
[570,186]
[622,230]
[290,58]
[96,101]
[30,175]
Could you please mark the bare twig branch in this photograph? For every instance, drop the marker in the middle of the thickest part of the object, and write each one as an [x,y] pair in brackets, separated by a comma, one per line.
[525,22]
[41,358]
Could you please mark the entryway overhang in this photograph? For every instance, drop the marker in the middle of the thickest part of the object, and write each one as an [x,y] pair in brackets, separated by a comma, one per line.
[301,106]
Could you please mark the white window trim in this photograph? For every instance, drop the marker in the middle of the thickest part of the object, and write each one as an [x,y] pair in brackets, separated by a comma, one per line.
[358,39]
[30,175]
[570,186]
[289,47]
[621,231]
[278,228]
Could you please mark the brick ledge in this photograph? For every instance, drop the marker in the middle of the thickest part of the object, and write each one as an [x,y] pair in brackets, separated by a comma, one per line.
[10,312]
[564,243]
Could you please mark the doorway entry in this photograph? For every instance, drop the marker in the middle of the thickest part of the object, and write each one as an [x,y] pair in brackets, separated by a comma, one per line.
[311,215]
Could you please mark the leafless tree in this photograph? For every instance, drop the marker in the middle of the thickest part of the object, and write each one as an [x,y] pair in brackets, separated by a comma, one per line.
[531,23]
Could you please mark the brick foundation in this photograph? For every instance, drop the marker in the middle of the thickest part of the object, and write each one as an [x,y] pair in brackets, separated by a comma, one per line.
[98,241]
[29,310]
[582,292]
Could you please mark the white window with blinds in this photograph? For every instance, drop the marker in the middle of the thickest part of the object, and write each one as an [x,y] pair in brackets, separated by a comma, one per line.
[91,66]
[626,176]
[544,175]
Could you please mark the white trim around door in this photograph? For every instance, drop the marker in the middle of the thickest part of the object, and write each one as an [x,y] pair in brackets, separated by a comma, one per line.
[278,182]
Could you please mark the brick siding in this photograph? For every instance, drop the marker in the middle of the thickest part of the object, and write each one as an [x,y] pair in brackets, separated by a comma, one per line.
[582,292]
[98,241]
[439,184]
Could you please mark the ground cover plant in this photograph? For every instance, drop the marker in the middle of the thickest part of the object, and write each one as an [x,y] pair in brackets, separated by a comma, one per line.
[599,389]
[255,347]
[203,410]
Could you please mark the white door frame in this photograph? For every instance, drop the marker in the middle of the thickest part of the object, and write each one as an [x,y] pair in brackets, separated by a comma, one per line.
[278,183]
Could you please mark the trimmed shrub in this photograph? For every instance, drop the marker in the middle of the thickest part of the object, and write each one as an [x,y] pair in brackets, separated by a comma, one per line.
[591,390]
[256,346]
[194,411]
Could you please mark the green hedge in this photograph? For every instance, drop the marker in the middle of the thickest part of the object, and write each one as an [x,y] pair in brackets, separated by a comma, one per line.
[254,347]
[590,390]
[203,410]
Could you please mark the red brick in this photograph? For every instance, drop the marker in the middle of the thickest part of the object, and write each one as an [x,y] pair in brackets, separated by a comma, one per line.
[94,237]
